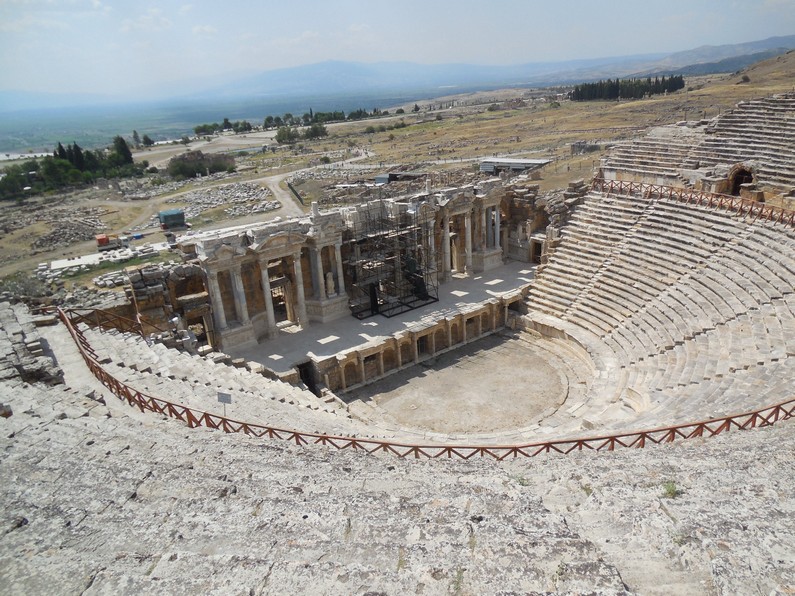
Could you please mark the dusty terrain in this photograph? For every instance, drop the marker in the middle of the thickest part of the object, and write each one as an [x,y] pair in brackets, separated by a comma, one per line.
[464,391]
[448,133]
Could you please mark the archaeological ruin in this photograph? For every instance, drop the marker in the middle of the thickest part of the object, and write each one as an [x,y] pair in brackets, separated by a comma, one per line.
[653,304]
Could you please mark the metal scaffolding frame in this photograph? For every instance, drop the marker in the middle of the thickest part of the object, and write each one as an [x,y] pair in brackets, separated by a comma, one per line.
[390,260]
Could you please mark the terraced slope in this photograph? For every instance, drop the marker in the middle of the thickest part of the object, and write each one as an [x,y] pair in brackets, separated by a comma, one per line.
[690,312]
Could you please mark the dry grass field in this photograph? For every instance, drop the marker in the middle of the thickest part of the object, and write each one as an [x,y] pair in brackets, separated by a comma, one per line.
[525,123]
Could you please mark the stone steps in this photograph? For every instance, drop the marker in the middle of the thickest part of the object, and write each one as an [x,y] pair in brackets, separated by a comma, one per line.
[686,301]
[195,381]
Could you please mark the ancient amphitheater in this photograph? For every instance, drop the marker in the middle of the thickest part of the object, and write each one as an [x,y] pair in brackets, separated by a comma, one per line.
[665,299]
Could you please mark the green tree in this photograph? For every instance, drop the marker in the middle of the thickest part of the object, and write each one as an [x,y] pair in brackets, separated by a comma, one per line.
[148,142]
[92,160]
[315,131]
[121,151]
[286,135]
[78,159]
[358,114]
[241,126]
[136,139]
[12,183]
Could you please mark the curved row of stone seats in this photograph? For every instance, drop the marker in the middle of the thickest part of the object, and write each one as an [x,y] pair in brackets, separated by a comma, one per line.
[738,344]
[140,503]
[650,155]
[195,382]
[389,526]
[686,244]
[742,390]
[595,227]
[761,130]
[696,308]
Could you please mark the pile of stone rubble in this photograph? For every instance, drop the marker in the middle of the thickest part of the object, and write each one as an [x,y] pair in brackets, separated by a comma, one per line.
[48,275]
[238,199]
[69,224]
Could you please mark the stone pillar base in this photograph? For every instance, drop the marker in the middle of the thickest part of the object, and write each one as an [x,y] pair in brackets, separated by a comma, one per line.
[485,260]
[330,309]
[239,336]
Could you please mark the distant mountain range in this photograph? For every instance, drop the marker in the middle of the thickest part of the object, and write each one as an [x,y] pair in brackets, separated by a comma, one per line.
[405,79]
[37,122]
[726,65]
[334,77]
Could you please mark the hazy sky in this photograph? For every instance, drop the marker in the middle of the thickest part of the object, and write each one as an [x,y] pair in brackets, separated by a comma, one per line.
[136,46]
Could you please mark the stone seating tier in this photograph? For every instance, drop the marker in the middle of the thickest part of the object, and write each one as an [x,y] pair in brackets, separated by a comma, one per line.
[195,382]
[141,506]
[760,131]
[695,306]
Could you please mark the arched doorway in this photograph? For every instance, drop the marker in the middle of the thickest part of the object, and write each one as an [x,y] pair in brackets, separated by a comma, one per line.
[739,175]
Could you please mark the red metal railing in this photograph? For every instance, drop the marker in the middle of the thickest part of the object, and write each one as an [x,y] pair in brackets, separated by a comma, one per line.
[638,439]
[104,320]
[743,207]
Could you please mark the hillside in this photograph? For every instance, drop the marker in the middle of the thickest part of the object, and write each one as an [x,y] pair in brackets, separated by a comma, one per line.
[438,137]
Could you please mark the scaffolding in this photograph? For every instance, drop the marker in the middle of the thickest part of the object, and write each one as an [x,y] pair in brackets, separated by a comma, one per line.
[391,259]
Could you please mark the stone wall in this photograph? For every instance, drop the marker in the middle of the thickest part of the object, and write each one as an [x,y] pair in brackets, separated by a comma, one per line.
[23,354]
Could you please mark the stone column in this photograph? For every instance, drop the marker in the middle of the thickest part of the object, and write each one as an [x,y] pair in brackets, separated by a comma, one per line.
[273,331]
[484,237]
[340,271]
[318,280]
[432,246]
[341,366]
[497,233]
[218,302]
[240,296]
[299,290]
[446,247]
[489,229]
[313,270]
[468,241]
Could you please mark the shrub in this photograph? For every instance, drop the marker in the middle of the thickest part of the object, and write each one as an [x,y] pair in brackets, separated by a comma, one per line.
[670,489]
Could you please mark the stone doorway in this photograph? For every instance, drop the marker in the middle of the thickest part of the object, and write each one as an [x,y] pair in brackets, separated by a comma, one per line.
[279,296]
[740,175]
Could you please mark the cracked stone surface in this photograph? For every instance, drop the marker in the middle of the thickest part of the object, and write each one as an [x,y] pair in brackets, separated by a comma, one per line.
[99,498]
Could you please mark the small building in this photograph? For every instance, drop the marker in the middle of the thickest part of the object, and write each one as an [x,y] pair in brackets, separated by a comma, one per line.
[398,176]
[172,219]
[496,165]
